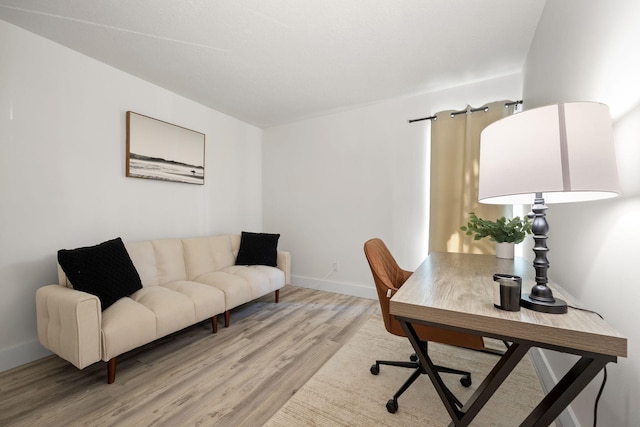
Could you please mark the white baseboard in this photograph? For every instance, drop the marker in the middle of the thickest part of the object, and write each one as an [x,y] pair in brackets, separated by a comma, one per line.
[21,354]
[336,287]
[548,380]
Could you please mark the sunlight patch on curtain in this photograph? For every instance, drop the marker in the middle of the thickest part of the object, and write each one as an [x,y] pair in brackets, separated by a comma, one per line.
[455,153]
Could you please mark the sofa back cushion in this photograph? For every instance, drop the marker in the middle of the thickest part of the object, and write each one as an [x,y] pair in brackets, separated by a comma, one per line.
[144,259]
[207,254]
[235,245]
[222,251]
[163,261]
[197,256]
[170,262]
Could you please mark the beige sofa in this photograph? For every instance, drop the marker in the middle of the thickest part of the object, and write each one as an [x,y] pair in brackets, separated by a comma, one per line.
[184,281]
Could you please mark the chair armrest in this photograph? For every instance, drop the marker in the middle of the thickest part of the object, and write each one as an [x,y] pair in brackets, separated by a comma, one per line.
[69,324]
[283,262]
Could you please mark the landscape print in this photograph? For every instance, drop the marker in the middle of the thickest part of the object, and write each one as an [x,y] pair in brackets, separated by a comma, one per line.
[162,151]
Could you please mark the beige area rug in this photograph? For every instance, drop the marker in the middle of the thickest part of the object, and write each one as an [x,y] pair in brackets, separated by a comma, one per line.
[344,393]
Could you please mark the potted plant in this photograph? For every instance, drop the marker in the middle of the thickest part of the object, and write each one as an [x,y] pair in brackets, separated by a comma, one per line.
[502,231]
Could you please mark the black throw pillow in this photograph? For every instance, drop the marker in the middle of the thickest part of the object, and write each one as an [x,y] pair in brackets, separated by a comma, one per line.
[104,270]
[258,249]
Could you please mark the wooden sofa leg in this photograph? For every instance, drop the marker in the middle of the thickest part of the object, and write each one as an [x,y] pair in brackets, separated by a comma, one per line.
[277,296]
[214,324]
[111,370]
[227,318]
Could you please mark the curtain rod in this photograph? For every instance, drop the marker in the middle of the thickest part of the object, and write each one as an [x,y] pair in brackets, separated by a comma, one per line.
[473,110]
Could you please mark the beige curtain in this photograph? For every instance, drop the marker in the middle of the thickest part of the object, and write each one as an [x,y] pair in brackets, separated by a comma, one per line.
[455,153]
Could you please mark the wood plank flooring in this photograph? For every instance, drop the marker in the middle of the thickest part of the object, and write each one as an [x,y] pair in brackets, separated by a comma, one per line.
[240,376]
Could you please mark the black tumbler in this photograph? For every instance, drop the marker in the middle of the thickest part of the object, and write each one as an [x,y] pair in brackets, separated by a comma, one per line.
[506,292]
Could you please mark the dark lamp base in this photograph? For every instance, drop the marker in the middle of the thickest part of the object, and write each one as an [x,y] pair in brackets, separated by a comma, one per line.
[557,306]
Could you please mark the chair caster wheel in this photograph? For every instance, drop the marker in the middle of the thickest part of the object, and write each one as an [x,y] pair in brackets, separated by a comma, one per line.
[375,369]
[413,357]
[466,381]
[392,406]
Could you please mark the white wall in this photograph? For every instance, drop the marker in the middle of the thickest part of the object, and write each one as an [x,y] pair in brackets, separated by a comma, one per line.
[330,183]
[62,172]
[588,51]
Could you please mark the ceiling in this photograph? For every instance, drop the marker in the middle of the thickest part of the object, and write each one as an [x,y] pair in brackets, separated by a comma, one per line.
[270,62]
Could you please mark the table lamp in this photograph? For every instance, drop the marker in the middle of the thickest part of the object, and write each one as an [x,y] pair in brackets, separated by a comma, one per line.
[559,153]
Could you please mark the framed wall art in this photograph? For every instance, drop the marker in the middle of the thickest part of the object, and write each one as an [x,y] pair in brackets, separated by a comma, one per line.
[163,151]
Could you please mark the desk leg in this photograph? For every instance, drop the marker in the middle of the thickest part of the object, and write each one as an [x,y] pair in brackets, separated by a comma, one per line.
[483,393]
[566,390]
[443,391]
[493,381]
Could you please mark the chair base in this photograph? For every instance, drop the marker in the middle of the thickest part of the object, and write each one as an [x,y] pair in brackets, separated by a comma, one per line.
[392,404]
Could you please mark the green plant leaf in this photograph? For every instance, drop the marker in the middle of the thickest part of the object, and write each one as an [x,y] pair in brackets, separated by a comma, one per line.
[501,230]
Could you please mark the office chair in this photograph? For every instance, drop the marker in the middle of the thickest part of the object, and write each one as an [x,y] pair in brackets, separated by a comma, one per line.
[389,277]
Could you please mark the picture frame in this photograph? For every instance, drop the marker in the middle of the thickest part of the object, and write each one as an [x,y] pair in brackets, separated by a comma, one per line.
[163,151]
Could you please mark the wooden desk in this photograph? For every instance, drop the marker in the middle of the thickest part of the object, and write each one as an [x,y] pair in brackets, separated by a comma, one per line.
[455,291]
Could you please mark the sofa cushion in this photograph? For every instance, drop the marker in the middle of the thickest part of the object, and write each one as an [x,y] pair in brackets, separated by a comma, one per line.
[257,282]
[173,310]
[258,249]
[208,301]
[275,275]
[126,325]
[236,289]
[104,270]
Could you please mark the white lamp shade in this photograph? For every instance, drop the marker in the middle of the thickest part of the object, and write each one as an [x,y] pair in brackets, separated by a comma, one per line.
[564,151]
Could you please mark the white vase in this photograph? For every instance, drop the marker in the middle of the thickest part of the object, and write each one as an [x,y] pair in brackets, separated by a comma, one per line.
[505,250]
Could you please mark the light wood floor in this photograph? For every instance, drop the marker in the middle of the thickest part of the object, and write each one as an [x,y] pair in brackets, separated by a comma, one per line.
[238,377]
